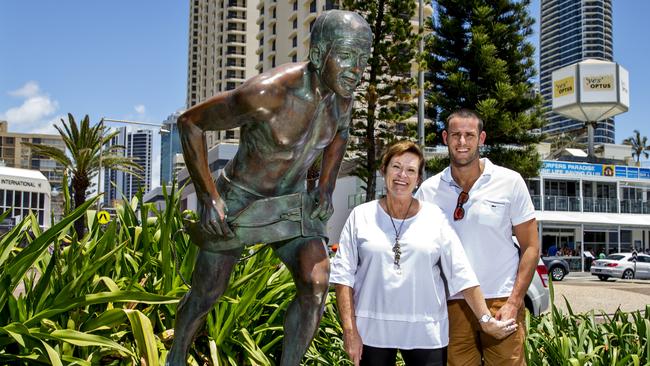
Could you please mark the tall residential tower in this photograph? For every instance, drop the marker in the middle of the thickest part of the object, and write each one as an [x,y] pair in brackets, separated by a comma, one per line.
[222,49]
[573,30]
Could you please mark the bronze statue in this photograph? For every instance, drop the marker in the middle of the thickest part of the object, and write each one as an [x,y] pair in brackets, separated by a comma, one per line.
[288,117]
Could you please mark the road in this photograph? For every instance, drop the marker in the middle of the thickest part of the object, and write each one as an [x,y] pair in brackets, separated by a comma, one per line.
[586,292]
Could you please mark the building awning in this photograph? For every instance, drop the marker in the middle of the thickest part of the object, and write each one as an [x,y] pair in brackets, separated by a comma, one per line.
[593,218]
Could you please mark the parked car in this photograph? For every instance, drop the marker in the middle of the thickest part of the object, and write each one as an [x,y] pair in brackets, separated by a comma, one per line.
[620,265]
[537,297]
[558,267]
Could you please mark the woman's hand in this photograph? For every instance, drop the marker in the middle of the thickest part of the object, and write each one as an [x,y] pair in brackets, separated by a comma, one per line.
[499,329]
[353,345]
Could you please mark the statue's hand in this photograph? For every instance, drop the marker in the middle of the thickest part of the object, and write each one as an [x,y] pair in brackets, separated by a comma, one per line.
[324,208]
[213,215]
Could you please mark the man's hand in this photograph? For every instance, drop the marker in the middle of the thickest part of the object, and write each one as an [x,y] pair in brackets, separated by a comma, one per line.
[325,208]
[499,329]
[353,346]
[212,216]
[507,311]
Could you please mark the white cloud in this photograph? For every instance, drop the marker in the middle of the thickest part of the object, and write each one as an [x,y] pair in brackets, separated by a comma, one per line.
[140,109]
[30,89]
[32,110]
[35,112]
[48,128]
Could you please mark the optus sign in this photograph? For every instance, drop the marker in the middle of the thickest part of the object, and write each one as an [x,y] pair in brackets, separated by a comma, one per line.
[598,83]
[563,87]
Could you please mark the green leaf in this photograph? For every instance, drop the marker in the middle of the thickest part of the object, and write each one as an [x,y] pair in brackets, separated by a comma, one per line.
[82,339]
[100,298]
[144,337]
[53,356]
[16,331]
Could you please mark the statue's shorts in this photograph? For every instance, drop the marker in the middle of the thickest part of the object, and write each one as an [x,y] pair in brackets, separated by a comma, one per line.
[256,219]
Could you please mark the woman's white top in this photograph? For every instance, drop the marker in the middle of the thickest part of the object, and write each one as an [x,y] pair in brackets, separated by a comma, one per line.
[406,310]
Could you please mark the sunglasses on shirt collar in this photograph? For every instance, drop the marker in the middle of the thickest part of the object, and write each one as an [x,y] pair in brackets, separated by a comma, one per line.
[459,212]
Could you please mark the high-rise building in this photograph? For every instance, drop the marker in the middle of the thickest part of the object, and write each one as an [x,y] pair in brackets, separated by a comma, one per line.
[284,28]
[222,51]
[16,155]
[573,30]
[138,145]
[170,147]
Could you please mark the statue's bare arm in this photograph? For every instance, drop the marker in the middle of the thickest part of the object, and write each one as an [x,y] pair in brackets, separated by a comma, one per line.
[330,165]
[224,111]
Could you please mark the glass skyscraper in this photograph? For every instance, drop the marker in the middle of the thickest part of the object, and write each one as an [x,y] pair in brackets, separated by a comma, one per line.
[170,145]
[571,31]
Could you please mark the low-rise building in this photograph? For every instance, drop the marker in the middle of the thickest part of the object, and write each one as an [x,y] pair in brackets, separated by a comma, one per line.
[23,191]
[596,207]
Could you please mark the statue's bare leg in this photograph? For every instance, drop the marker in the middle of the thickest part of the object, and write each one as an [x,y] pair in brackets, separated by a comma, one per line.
[309,265]
[209,281]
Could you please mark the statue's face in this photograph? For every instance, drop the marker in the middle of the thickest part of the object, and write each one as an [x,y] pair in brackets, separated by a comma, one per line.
[343,64]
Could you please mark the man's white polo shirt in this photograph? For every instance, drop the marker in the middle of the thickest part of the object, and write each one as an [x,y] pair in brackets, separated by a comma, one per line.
[498,201]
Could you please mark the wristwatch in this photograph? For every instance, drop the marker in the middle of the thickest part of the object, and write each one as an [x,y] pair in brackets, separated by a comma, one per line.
[485,318]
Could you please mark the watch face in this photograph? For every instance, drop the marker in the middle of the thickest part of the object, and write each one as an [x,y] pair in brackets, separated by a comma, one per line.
[485,318]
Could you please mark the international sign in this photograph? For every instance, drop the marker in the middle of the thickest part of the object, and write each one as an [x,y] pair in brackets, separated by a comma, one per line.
[598,83]
[563,87]
[103,217]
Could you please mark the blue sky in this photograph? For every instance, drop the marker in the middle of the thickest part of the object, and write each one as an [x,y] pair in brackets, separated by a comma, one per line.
[128,60]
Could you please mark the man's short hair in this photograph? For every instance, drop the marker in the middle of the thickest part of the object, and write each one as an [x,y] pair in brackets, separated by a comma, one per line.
[464,113]
[333,25]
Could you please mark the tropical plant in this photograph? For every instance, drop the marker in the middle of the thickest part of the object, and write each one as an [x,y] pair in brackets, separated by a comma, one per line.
[480,59]
[639,146]
[384,97]
[571,339]
[84,156]
[109,298]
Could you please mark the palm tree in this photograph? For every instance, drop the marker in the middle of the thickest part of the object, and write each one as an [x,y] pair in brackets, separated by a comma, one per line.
[639,146]
[84,145]
[565,140]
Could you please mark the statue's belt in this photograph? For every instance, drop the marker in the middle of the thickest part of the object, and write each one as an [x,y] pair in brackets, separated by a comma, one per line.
[267,220]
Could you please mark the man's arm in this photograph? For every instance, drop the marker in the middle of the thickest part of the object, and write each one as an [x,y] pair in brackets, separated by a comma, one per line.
[224,111]
[330,165]
[526,234]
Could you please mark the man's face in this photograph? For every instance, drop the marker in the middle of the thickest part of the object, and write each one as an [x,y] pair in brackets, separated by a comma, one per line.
[343,65]
[463,140]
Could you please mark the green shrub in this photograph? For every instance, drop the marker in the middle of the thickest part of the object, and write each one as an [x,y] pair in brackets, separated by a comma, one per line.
[588,339]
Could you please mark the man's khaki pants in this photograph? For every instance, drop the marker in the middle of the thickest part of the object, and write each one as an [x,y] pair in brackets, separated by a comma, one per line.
[468,344]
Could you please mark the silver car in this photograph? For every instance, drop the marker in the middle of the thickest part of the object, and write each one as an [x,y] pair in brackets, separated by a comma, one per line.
[620,265]
[537,296]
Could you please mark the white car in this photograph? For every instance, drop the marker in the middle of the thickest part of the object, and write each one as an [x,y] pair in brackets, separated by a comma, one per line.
[621,265]
[537,297]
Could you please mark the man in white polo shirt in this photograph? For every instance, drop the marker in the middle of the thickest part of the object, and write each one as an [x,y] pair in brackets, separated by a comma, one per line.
[485,204]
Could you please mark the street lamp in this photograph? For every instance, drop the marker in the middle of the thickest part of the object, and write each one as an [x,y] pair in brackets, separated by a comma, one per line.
[129,122]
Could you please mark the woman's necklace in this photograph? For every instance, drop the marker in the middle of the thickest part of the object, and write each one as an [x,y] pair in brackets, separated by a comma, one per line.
[397,248]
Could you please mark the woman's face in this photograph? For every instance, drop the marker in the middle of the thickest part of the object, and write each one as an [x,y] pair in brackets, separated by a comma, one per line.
[402,174]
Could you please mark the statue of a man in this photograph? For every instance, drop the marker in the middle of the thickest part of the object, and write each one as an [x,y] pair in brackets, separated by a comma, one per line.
[287,117]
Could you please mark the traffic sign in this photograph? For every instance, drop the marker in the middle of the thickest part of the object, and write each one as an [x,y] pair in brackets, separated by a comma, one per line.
[103,217]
